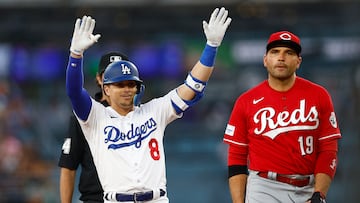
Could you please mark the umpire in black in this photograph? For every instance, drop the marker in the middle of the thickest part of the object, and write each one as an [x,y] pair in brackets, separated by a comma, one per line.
[76,151]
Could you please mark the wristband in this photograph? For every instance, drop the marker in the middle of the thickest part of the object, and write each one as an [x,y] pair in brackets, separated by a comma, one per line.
[237,169]
[208,56]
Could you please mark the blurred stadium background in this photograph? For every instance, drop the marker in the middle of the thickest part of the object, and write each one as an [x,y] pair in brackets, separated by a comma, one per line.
[165,38]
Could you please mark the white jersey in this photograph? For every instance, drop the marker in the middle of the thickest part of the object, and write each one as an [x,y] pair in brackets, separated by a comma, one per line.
[128,151]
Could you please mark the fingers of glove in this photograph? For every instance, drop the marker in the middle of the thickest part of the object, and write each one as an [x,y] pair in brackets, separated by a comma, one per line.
[205,26]
[220,15]
[227,22]
[77,26]
[95,38]
[221,18]
[213,16]
[91,26]
[88,24]
[224,16]
[82,24]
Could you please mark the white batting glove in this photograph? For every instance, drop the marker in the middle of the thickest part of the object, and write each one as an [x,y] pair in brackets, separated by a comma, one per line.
[83,36]
[215,29]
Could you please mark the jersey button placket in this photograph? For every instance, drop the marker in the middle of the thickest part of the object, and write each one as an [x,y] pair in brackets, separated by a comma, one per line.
[284,104]
[137,170]
[137,177]
[136,173]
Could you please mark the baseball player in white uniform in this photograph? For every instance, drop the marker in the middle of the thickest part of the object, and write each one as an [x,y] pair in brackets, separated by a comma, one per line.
[126,140]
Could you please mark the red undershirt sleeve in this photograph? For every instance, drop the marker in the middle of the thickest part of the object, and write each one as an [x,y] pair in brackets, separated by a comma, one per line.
[237,155]
[327,157]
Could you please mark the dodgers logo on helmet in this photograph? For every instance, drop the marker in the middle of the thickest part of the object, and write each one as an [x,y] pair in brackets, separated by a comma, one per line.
[121,71]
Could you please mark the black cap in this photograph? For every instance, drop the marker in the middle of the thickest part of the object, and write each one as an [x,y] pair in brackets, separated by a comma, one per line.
[109,58]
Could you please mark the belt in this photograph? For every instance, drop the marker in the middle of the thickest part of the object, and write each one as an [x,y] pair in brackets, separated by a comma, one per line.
[135,197]
[299,182]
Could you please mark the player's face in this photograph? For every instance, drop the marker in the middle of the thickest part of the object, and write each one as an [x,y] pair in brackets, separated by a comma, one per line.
[281,63]
[122,94]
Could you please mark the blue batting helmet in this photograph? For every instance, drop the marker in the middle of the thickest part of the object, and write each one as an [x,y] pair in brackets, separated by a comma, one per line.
[121,71]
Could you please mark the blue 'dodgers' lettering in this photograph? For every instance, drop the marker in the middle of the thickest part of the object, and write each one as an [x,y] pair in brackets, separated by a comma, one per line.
[134,136]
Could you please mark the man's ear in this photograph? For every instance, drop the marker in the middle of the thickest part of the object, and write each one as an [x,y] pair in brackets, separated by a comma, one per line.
[265,61]
[300,60]
[99,79]
[106,89]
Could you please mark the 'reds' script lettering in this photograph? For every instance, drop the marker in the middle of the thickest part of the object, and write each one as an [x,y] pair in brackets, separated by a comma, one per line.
[134,136]
[285,121]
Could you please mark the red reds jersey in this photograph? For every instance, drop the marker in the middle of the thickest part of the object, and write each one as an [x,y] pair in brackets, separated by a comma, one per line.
[283,130]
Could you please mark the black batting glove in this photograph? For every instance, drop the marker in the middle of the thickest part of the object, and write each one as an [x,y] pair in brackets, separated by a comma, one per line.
[317,197]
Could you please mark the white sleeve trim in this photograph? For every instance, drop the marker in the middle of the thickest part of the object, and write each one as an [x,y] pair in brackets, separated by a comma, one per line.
[175,98]
[236,143]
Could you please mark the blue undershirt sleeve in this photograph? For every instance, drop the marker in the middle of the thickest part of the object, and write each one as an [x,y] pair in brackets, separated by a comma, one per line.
[79,97]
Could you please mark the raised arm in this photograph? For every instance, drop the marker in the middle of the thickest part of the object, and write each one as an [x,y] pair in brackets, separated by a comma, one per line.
[82,39]
[193,88]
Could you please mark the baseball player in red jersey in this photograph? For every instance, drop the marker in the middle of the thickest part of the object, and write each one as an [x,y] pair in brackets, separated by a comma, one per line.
[282,134]
[126,140]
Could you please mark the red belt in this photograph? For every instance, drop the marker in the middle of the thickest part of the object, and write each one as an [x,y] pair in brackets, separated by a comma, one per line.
[288,180]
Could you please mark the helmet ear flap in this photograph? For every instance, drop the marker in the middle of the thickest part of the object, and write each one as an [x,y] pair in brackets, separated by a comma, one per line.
[138,87]
[139,94]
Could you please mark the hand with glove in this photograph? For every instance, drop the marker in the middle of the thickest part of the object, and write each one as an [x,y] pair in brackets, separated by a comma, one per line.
[317,197]
[83,36]
[215,29]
